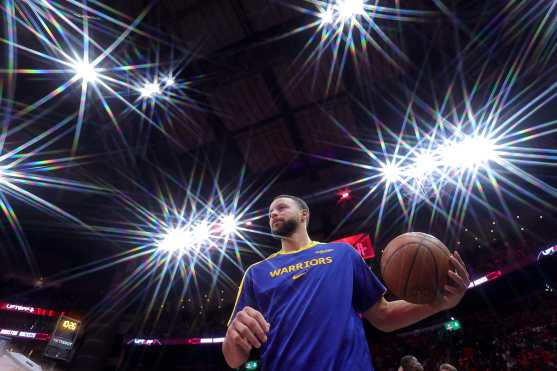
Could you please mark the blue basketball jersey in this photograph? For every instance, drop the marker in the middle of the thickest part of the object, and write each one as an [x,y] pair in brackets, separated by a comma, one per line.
[311,298]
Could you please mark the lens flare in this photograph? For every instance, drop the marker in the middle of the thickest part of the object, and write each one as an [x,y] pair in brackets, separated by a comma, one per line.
[469,153]
[349,29]
[327,15]
[425,164]
[391,172]
[86,71]
[229,225]
[175,240]
[150,90]
[347,9]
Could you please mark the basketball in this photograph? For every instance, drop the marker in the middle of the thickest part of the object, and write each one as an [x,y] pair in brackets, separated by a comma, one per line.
[414,267]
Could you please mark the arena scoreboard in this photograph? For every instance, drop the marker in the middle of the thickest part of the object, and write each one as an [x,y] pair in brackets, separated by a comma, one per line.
[62,340]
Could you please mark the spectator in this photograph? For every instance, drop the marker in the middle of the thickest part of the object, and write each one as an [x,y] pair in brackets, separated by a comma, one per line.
[410,363]
[447,367]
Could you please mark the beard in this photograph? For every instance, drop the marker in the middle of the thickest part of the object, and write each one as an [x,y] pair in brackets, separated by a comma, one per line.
[286,228]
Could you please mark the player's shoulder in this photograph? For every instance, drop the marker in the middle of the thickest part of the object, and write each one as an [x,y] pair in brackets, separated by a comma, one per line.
[322,247]
[343,248]
[261,264]
[336,246]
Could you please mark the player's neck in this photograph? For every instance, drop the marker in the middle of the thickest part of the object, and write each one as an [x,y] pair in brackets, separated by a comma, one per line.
[297,240]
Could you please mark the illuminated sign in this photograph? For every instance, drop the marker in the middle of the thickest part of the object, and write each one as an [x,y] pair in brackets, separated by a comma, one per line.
[9,332]
[62,342]
[252,365]
[145,342]
[30,335]
[27,309]
[62,339]
[452,325]
[549,251]
[488,277]
[19,308]
[187,341]
[362,243]
[493,275]
[24,334]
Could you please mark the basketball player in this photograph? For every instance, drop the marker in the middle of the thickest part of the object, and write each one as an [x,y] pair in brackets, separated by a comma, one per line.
[300,306]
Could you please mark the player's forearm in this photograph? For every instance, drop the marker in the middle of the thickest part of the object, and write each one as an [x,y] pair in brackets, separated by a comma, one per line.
[399,314]
[234,355]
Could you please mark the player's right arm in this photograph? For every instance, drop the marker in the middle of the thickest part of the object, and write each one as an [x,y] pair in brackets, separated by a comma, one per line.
[248,329]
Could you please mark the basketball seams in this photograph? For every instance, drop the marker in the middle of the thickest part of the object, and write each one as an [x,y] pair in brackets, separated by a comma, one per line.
[434,241]
[446,252]
[395,253]
[407,278]
[400,248]
[436,266]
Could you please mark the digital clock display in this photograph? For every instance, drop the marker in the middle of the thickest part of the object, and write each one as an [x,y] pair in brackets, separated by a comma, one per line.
[62,339]
[69,325]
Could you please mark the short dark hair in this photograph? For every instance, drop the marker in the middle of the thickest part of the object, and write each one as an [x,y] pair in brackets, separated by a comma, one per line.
[300,202]
[406,362]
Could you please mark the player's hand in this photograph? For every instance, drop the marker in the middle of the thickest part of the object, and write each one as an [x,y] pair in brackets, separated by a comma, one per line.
[248,329]
[458,283]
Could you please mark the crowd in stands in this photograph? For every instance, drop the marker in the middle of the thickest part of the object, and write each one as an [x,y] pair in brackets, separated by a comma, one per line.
[498,255]
[522,336]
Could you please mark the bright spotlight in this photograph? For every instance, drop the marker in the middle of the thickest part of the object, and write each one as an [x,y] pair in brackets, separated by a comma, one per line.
[200,233]
[175,240]
[469,153]
[424,164]
[85,71]
[350,8]
[229,224]
[344,195]
[169,82]
[484,150]
[391,172]
[150,89]
[327,15]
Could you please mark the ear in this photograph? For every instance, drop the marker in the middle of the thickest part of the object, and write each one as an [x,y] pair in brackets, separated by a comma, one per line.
[305,215]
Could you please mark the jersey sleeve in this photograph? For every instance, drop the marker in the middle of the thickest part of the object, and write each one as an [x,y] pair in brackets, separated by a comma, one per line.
[367,288]
[245,296]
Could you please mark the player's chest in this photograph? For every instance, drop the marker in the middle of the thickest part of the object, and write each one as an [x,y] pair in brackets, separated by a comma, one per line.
[295,276]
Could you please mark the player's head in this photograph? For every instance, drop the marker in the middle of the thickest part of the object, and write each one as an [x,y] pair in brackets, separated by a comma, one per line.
[447,367]
[287,214]
[410,363]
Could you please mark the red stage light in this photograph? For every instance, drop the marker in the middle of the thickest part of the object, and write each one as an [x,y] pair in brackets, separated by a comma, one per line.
[344,195]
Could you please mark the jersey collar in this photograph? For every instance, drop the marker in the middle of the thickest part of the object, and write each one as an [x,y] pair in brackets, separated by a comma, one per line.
[308,246]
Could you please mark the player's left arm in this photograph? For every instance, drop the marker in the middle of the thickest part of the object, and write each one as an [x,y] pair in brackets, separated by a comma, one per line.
[393,315]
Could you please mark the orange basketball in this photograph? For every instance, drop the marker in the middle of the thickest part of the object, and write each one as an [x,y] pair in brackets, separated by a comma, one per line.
[414,267]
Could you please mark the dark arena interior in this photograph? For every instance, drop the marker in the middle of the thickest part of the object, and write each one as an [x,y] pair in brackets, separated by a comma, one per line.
[143,142]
